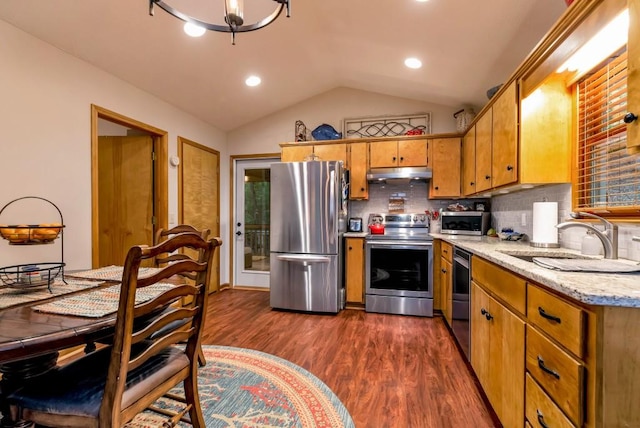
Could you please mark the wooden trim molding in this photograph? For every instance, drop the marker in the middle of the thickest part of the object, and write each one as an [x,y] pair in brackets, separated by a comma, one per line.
[161,174]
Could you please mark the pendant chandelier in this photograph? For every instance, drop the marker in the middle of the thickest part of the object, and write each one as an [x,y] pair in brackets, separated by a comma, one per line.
[233,17]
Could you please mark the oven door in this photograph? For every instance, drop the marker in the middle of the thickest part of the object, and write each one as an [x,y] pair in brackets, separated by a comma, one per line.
[399,268]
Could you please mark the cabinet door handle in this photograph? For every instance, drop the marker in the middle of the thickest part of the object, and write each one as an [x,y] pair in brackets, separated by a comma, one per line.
[401,159]
[472,183]
[486,314]
[436,187]
[509,168]
[541,419]
[486,177]
[362,189]
[630,117]
[547,369]
[394,158]
[443,270]
[350,248]
[543,314]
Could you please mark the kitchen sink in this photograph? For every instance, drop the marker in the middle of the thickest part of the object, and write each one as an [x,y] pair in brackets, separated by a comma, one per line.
[571,262]
[529,255]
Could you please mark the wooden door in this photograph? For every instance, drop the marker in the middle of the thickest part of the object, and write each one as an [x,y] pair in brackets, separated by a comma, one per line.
[483,151]
[469,162]
[125,194]
[200,194]
[412,153]
[446,168]
[332,152]
[354,265]
[358,185]
[296,153]
[383,154]
[505,138]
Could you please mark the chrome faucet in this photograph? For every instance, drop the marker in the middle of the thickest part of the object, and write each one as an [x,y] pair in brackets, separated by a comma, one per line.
[609,237]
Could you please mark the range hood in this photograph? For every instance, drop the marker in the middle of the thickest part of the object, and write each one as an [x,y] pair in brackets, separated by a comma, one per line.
[404,174]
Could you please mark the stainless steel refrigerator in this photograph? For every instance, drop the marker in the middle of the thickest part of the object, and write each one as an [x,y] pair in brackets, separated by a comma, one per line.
[308,219]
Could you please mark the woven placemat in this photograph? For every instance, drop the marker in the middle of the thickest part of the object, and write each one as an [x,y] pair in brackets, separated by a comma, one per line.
[99,303]
[111,273]
[14,296]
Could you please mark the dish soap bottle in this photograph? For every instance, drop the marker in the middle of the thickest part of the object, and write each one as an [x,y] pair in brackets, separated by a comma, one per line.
[591,245]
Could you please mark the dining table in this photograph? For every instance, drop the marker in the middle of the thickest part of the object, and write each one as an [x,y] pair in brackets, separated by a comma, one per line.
[77,310]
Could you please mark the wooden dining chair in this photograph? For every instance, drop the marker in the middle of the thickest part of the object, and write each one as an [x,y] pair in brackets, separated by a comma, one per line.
[108,387]
[163,234]
[162,259]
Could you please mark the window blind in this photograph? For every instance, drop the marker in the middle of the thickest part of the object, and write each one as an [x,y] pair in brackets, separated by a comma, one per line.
[608,178]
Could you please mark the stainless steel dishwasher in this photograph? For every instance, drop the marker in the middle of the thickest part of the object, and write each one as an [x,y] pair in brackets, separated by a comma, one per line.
[461,291]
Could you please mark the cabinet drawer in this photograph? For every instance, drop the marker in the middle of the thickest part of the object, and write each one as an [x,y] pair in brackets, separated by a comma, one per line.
[508,287]
[559,374]
[558,318]
[447,251]
[541,411]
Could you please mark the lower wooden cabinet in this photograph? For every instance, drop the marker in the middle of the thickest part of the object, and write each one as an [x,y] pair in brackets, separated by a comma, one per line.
[497,355]
[354,268]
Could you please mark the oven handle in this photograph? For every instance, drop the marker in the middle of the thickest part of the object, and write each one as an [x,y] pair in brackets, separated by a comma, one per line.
[396,244]
[462,262]
[304,258]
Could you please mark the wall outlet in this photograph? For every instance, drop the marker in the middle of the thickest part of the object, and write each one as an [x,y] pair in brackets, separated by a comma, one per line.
[172,218]
[523,221]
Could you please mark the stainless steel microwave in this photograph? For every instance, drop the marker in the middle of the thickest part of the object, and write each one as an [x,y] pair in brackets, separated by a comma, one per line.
[465,222]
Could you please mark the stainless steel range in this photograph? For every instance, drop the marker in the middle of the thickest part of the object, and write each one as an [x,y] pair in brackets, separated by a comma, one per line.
[399,265]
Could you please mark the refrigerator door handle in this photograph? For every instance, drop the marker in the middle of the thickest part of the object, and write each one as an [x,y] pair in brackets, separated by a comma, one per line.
[304,258]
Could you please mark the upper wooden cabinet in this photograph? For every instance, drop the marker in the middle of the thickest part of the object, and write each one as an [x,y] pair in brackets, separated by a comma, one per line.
[483,129]
[332,152]
[385,154]
[325,152]
[358,157]
[504,149]
[295,153]
[469,162]
[539,152]
[445,155]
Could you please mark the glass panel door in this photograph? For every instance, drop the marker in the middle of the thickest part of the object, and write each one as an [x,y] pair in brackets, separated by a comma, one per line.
[252,222]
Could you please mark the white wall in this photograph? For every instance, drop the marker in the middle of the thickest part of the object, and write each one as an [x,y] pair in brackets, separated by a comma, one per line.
[331,107]
[45,140]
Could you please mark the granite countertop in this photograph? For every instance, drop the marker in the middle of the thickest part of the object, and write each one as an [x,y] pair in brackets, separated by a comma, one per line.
[604,289]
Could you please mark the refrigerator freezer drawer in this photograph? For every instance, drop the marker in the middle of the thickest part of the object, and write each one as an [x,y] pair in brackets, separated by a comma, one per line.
[305,282]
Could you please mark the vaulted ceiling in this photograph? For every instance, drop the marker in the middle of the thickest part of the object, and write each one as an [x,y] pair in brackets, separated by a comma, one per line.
[466,46]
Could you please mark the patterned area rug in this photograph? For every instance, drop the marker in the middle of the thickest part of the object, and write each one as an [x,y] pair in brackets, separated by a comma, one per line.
[246,388]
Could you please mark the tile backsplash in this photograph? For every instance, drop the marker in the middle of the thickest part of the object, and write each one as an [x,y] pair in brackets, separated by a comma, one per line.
[507,210]
[415,199]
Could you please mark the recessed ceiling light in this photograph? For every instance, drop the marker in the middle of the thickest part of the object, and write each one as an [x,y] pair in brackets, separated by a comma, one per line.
[193,30]
[413,63]
[253,81]
[422,1]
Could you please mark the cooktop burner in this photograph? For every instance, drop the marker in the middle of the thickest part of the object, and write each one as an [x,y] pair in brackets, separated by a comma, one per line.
[407,226]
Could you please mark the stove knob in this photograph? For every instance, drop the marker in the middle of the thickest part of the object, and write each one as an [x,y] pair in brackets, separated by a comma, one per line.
[422,218]
[415,218]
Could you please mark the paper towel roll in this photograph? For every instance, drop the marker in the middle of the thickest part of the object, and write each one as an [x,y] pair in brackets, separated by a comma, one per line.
[545,219]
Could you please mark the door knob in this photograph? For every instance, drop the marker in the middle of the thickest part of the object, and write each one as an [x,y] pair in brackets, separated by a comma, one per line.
[238,233]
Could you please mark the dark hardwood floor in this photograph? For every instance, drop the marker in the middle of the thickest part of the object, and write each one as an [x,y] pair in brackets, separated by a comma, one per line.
[388,370]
